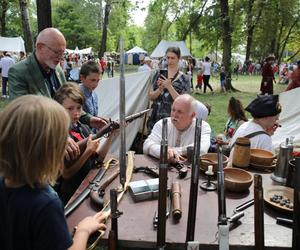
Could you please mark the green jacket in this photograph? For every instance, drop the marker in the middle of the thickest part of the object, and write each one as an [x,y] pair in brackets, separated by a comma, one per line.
[26,78]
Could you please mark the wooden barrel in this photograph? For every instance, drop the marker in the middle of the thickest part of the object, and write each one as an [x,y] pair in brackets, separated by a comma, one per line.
[241,153]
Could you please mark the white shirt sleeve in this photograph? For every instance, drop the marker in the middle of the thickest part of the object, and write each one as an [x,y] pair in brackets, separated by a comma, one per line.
[152,143]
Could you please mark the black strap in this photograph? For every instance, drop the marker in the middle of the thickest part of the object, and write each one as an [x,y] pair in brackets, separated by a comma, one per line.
[253,135]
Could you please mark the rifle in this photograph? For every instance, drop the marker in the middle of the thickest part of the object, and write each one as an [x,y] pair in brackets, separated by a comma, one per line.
[259,234]
[190,232]
[296,217]
[163,183]
[115,214]
[97,192]
[72,205]
[222,219]
[112,125]
[122,120]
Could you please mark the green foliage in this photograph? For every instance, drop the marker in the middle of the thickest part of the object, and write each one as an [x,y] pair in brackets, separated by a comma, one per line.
[13,19]
[73,22]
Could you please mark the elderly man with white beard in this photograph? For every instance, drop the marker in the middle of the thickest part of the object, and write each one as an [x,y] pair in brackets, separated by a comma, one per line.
[181,131]
[41,74]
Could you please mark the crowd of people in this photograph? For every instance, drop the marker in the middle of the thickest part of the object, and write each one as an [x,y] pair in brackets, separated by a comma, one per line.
[47,116]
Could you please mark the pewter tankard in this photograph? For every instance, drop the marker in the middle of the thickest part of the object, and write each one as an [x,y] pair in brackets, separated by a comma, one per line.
[282,165]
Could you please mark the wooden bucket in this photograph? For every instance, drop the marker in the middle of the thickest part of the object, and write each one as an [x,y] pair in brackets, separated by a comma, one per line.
[241,153]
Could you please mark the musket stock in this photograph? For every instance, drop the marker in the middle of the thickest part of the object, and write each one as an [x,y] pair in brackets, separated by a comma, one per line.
[259,234]
[109,127]
[97,192]
[190,233]
[163,183]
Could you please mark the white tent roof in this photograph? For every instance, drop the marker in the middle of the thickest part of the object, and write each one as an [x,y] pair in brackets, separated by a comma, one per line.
[80,51]
[161,48]
[12,44]
[136,50]
[288,118]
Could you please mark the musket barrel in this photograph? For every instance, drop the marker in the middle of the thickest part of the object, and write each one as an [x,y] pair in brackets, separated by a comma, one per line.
[296,219]
[259,234]
[190,233]
[221,188]
[163,186]
[122,153]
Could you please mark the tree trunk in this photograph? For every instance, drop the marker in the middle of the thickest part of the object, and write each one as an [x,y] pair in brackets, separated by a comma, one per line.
[226,35]
[43,14]
[3,17]
[104,30]
[26,26]
[251,24]
[250,29]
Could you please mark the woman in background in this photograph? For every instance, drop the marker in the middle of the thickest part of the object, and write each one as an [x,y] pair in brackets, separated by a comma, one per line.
[167,88]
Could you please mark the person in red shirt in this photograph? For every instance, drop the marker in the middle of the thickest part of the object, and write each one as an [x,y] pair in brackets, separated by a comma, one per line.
[102,65]
[295,78]
[199,81]
[267,73]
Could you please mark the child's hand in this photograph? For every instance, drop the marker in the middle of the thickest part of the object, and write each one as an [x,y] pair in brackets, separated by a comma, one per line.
[91,224]
[92,145]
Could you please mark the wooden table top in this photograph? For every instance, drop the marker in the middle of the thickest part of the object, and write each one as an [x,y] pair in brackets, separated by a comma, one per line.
[136,227]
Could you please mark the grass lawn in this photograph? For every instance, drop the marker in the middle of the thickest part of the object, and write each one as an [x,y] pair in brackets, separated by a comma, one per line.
[248,85]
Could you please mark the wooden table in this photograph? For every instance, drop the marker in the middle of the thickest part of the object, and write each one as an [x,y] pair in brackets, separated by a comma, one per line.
[136,228]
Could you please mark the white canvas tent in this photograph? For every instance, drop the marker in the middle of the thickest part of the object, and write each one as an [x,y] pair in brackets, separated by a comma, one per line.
[12,44]
[136,89]
[161,48]
[289,117]
[80,51]
[136,50]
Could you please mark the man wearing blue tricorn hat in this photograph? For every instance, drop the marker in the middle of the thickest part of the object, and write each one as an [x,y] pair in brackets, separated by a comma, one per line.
[265,111]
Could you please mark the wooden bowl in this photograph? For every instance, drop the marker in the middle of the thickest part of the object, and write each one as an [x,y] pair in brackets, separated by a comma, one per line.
[211,159]
[261,157]
[237,180]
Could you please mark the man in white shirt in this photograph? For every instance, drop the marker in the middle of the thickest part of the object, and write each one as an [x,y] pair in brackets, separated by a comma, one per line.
[6,62]
[181,131]
[202,110]
[265,112]
[146,65]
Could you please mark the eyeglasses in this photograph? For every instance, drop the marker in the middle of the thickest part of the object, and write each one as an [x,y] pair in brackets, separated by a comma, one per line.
[56,52]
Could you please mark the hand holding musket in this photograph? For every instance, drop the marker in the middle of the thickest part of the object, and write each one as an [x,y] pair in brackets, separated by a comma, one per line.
[109,127]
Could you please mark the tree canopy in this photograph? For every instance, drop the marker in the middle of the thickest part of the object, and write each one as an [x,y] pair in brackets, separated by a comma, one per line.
[257,27]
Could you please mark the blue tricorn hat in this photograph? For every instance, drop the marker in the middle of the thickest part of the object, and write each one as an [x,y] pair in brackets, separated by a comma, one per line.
[264,106]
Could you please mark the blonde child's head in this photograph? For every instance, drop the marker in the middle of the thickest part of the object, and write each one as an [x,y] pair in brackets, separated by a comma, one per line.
[34,131]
